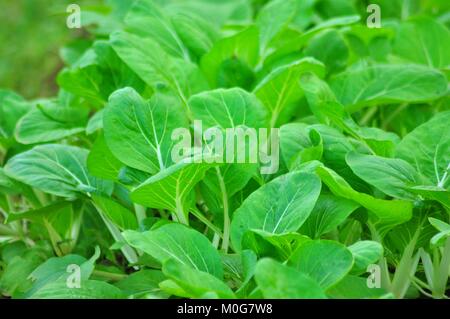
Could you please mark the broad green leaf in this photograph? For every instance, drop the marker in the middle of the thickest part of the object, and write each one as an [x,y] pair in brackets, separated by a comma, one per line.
[46,212]
[12,108]
[180,243]
[277,281]
[171,188]
[143,283]
[329,48]
[138,132]
[196,33]
[50,122]
[328,110]
[116,72]
[280,89]
[299,144]
[196,283]
[388,83]
[11,186]
[122,217]
[272,18]
[386,213]
[159,70]
[439,194]
[325,261]
[280,244]
[84,82]
[365,253]
[427,148]
[56,169]
[228,108]
[390,175]
[353,287]
[146,19]
[101,162]
[55,269]
[424,41]
[180,34]
[328,213]
[381,142]
[97,74]
[95,123]
[131,176]
[443,228]
[335,147]
[84,78]
[278,207]
[243,46]
[14,278]
[216,12]
[89,289]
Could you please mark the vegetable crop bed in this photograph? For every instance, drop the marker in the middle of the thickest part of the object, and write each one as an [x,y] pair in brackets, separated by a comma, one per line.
[234,149]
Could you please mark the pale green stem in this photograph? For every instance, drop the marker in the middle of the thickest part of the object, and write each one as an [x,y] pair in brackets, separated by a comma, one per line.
[109,275]
[180,212]
[140,212]
[127,251]
[226,213]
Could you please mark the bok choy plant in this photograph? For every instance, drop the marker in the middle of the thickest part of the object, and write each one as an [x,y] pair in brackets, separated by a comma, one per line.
[234,149]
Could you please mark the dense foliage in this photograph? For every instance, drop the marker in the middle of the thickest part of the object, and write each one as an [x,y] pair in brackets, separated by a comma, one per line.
[93,204]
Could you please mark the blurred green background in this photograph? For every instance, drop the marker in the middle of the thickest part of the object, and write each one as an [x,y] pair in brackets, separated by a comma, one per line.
[31,35]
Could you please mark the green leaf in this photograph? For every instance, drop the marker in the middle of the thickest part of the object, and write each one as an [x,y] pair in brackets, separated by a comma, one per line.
[423,41]
[95,123]
[384,84]
[53,269]
[427,148]
[118,214]
[197,34]
[180,243]
[89,289]
[330,48]
[50,122]
[14,278]
[385,213]
[146,19]
[365,253]
[148,124]
[300,144]
[47,212]
[101,162]
[181,35]
[280,89]
[353,287]
[228,108]
[243,46]
[56,169]
[278,207]
[97,74]
[444,231]
[325,261]
[272,18]
[328,213]
[143,283]
[390,175]
[153,65]
[12,108]
[194,282]
[434,193]
[171,188]
[277,281]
